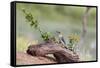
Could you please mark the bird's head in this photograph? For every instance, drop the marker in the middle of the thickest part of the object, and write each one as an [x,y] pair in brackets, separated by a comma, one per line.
[58,32]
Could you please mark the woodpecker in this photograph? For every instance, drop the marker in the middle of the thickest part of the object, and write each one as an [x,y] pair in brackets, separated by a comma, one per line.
[61,38]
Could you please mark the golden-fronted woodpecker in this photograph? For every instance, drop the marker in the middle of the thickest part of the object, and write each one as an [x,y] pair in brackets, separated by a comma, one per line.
[61,38]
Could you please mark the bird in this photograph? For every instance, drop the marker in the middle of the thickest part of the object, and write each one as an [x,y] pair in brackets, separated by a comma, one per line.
[61,38]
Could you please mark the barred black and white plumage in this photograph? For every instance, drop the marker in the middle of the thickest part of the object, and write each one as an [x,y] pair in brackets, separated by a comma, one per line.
[61,38]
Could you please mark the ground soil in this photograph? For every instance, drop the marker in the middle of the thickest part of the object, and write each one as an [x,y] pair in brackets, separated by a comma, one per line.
[25,59]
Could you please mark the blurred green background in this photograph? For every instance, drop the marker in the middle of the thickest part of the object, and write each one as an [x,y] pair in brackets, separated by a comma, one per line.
[52,18]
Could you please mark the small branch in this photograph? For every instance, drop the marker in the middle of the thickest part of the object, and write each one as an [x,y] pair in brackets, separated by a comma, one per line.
[84,21]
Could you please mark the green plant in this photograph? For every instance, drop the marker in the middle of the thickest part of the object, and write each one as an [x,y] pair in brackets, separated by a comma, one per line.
[73,40]
[34,23]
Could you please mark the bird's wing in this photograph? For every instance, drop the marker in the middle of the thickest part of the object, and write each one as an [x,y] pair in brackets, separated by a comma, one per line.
[63,40]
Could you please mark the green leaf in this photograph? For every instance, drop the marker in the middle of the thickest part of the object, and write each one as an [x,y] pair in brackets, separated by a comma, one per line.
[29,17]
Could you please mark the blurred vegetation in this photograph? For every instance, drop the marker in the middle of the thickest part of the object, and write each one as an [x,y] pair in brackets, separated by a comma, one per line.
[73,40]
[46,36]
[66,19]
[22,43]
